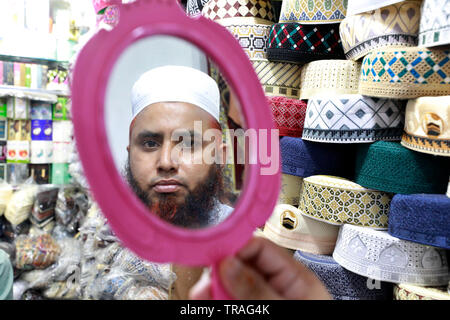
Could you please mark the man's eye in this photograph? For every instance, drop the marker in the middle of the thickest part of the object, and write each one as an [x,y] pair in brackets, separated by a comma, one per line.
[150,144]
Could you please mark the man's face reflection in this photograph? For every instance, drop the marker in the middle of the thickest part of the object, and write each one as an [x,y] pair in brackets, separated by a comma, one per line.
[179,187]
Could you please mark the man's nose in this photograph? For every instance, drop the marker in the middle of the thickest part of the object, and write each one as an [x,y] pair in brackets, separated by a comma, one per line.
[168,160]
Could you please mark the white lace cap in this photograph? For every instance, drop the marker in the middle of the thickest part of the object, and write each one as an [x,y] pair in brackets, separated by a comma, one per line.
[176,84]
[288,228]
[379,256]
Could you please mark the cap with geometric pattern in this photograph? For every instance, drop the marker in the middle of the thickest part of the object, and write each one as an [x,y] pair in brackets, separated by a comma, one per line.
[396,25]
[329,77]
[252,38]
[434,23]
[338,201]
[313,11]
[341,283]
[290,189]
[289,115]
[298,43]
[427,125]
[353,118]
[232,9]
[194,7]
[380,256]
[405,73]
[406,291]
[278,78]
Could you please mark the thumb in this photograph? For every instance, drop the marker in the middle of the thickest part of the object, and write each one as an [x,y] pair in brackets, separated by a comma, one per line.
[244,283]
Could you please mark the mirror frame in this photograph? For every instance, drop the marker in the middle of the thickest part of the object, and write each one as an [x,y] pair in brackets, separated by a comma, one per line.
[146,234]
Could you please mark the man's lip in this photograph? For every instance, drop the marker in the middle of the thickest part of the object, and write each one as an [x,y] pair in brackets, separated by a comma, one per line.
[168,182]
[167,186]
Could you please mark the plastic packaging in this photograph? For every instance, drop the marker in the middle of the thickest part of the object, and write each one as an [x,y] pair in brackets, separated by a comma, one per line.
[19,207]
[6,192]
[36,252]
[71,207]
[44,205]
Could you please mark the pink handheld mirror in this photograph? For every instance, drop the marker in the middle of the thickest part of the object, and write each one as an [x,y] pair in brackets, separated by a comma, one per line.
[145,234]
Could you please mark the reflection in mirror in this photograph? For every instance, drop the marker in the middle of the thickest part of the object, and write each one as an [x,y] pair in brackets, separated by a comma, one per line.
[171,120]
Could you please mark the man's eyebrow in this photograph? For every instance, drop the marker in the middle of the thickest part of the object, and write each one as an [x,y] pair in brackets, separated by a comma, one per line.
[149,134]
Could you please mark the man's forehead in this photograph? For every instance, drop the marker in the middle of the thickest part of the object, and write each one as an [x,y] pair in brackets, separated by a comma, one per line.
[172,116]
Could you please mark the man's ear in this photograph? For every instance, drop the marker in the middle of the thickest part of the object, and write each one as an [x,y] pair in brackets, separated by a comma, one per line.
[128,148]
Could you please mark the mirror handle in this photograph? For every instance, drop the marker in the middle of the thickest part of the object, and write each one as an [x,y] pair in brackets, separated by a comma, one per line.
[217,290]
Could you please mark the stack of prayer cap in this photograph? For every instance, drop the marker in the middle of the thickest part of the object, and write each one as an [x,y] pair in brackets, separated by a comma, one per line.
[395,25]
[427,125]
[390,167]
[341,283]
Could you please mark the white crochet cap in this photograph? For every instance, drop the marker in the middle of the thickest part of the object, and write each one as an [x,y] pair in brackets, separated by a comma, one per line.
[176,84]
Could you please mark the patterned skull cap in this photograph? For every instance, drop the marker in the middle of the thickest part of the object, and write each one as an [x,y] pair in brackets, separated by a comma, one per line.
[289,115]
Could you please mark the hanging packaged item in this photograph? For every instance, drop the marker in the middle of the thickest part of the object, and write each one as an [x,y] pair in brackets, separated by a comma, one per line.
[62,131]
[61,109]
[41,152]
[18,152]
[8,73]
[61,152]
[60,173]
[3,129]
[40,173]
[18,108]
[19,130]
[2,151]
[3,171]
[36,252]
[41,130]
[3,107]
[41,110]
[17,173]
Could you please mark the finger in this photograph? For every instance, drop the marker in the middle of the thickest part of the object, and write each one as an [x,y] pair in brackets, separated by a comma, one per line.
[288,277]
[202,289]
[244,283]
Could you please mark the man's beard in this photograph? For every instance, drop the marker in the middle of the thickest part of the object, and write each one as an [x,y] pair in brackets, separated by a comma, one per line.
[194,212]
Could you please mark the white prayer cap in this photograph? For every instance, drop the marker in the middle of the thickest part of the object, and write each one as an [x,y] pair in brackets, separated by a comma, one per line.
[176,84]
